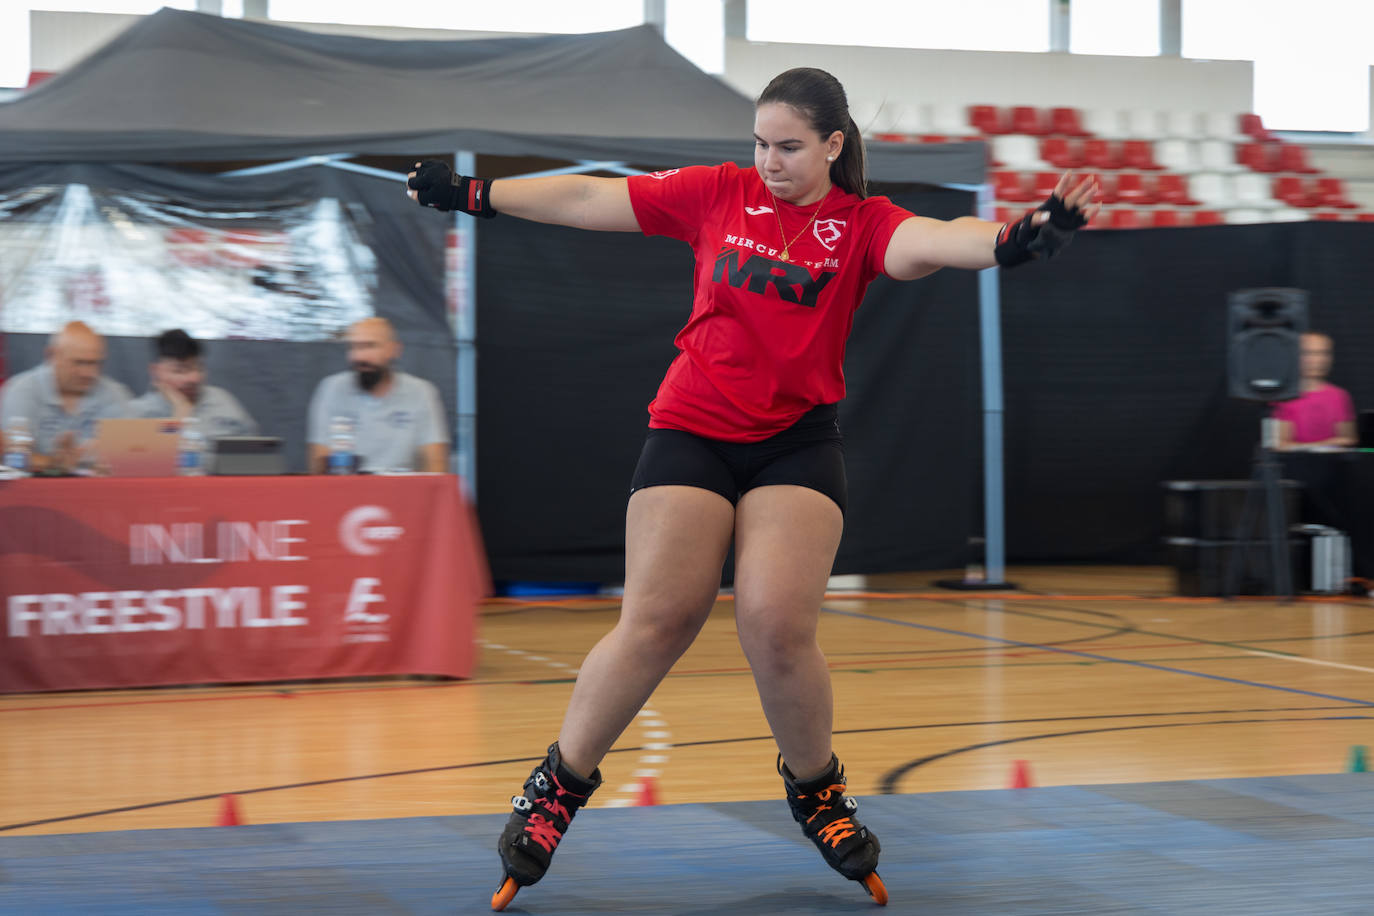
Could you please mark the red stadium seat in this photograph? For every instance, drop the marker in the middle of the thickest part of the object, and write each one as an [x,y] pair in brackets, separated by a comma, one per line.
[1101,154]
[1163,218]
[1252,125]
[1139,154]
[1044,183]
[1061,152]
[1257,156]
[1173,189]
[1293,191]
[1106,189]
[1068,121]
[1011,186]
[987,119]
[1330,192]
[1293,158]
[1132,189]
[1027,119]
[1126,219]
[1207,218]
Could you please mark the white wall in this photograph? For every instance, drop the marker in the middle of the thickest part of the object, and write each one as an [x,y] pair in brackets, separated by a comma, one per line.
[876,75]
[58,40]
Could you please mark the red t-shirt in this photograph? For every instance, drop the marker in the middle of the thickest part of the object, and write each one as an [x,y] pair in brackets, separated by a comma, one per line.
[766,339]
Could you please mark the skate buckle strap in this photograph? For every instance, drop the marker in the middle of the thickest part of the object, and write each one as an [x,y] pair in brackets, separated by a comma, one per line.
[556,809]
[824,795]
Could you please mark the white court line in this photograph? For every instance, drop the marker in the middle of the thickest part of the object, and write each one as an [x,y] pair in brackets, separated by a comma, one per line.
[653,751]
[1310,661]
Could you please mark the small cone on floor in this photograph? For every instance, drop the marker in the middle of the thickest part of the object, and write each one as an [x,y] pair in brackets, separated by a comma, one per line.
[1359,759]
[229,811]
[648,795]
[1020,775]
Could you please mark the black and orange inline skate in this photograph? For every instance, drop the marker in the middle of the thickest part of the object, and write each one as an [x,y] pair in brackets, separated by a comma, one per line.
[827,818]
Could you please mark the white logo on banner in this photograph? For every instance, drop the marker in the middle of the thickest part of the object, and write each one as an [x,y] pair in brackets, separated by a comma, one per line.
[828,232]
[363,529]
[360,596]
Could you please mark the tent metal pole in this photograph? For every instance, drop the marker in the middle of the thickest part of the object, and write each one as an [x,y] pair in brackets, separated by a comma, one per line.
[288,165]
[346,166]
[990,352]
[990,335]
[582,165]
[463,288]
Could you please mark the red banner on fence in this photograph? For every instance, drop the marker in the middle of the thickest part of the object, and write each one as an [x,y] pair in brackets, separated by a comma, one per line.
[140,582]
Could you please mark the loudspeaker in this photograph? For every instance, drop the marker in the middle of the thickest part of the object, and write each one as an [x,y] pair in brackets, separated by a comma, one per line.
[1266,327]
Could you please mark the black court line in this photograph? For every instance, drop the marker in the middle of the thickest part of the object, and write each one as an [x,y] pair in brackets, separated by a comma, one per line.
[1049,604]
[1018,612]
[1102,658]
[888,784]
[704,743]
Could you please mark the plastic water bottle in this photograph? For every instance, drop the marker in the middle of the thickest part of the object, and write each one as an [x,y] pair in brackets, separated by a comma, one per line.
[191,454]
[341,445]
[18,444]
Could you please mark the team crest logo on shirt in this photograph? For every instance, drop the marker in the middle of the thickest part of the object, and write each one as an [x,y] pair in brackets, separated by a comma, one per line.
[662,175]
[828,231]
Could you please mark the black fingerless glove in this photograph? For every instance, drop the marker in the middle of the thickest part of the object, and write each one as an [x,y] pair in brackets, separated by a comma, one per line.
[438,187]
[1022,241]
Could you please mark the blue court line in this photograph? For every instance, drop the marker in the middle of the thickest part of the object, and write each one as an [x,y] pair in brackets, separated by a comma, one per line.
[1094,656]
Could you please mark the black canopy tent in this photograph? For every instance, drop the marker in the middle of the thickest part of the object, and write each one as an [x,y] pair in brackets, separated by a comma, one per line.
[182,87]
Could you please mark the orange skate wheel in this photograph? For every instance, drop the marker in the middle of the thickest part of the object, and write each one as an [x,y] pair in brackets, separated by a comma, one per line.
[875,887]
[508,888]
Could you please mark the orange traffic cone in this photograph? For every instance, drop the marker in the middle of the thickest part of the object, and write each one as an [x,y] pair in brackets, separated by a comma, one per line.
[1020,775]
[229,811]
[648,796]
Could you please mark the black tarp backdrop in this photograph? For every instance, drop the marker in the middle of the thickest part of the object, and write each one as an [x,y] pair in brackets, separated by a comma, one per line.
[275,378]
[1115,373]
[576,332]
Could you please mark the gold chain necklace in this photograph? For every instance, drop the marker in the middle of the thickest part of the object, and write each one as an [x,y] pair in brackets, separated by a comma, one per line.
[787,246]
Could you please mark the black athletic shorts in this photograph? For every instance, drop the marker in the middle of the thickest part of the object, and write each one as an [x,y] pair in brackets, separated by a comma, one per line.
[809,453]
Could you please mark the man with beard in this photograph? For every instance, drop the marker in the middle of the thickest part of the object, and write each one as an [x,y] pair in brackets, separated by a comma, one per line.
[398,419]
[179,390]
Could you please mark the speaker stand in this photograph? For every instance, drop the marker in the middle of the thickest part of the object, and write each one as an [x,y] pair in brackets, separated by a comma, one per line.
[1264,470]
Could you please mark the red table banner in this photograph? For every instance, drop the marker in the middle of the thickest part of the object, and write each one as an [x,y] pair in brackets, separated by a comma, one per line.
[140,582]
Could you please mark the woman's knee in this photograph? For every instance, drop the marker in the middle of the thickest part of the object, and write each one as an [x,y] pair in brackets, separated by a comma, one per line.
[776,640]
[662,634]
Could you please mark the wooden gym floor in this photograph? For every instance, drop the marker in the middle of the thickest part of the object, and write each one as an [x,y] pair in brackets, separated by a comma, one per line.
[1090,675]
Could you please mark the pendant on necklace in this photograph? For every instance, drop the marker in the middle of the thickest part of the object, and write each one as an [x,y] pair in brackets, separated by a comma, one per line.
[785,255]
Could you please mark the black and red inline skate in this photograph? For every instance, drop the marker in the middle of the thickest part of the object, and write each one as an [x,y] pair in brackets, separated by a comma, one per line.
[827,818]
[541,816]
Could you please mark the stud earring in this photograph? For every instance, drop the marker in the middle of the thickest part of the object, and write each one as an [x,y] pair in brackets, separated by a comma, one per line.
[829,158]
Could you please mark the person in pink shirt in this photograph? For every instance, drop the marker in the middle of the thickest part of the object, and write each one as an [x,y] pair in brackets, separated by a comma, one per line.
[1323,415]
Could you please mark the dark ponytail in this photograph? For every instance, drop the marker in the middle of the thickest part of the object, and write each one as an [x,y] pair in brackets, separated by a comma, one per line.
[820,98]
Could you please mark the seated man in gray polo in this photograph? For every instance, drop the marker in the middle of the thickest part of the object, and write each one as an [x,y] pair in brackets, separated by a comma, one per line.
[63,398]
[398,419]
[179,390]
